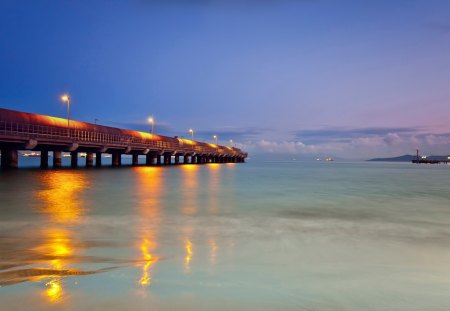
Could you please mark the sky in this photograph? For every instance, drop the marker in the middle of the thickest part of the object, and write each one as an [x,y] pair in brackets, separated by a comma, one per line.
[306,78]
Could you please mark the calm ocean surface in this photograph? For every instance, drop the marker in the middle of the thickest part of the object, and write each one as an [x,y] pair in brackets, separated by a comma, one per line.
[254,236]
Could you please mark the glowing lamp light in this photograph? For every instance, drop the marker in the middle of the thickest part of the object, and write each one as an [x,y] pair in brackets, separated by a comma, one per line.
[65,98]
[151,120]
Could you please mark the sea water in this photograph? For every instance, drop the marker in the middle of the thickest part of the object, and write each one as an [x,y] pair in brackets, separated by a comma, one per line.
[253,236]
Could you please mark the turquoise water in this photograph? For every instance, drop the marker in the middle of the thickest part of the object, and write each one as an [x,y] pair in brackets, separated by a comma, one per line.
[254,236]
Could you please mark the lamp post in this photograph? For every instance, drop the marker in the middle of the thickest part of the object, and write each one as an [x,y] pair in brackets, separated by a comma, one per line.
[215,139]
[151,120]
[192,133]
[231,142]
[66,99]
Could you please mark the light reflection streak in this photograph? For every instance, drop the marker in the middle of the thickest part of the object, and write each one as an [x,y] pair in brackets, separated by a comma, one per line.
[149,262]
[149,190]
[61,200]
[54,290]
[61,197]
[189,253]
[189,208]
[59,249]
[214,182]
[190,188]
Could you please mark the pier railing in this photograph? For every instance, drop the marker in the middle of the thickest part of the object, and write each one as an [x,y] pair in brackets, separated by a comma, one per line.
[35,131]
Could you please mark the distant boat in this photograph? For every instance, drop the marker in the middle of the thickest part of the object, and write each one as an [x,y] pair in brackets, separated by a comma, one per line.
[329,159]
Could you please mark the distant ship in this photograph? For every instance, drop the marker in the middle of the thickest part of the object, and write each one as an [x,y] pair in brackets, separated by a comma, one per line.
[326,159]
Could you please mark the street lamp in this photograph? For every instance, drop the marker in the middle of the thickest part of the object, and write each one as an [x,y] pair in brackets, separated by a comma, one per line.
[215,139]
[66,99]
[151,120]
[231,142]
[192,133]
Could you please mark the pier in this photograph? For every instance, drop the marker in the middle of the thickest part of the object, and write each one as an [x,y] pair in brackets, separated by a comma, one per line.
[46,134]
[424,160]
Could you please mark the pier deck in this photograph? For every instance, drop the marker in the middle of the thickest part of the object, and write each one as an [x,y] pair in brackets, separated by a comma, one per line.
[26,131]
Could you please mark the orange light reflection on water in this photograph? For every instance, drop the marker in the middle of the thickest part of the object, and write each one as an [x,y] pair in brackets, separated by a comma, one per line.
[150,189]
[214,184]
[190,188]
[189,253]
[54,290]
[146,277]
[60,197]
[59,249]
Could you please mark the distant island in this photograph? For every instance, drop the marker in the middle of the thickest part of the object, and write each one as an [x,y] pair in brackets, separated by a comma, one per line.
[409,158]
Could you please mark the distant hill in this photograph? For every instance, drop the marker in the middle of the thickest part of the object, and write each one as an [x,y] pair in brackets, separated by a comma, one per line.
[407,158]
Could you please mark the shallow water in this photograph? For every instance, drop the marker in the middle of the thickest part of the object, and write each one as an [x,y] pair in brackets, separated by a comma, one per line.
[254,236]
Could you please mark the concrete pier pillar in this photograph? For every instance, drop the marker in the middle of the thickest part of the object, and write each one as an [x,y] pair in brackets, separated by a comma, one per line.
[116,159]
[10,158]
[158,159]
[177,159]
[98,159]
[194,160]
[167,159]
[44,159]
[186,159]
[4,160]
[74,159]
[57,159]
[89,159]
[149,158]
[135,159]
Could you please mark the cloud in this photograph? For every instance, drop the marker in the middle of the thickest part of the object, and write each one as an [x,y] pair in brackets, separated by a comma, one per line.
[360,143]
[356,143]
[234,133]
[316,136]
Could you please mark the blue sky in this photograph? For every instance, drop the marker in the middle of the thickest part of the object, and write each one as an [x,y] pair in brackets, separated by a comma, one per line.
[342,78]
